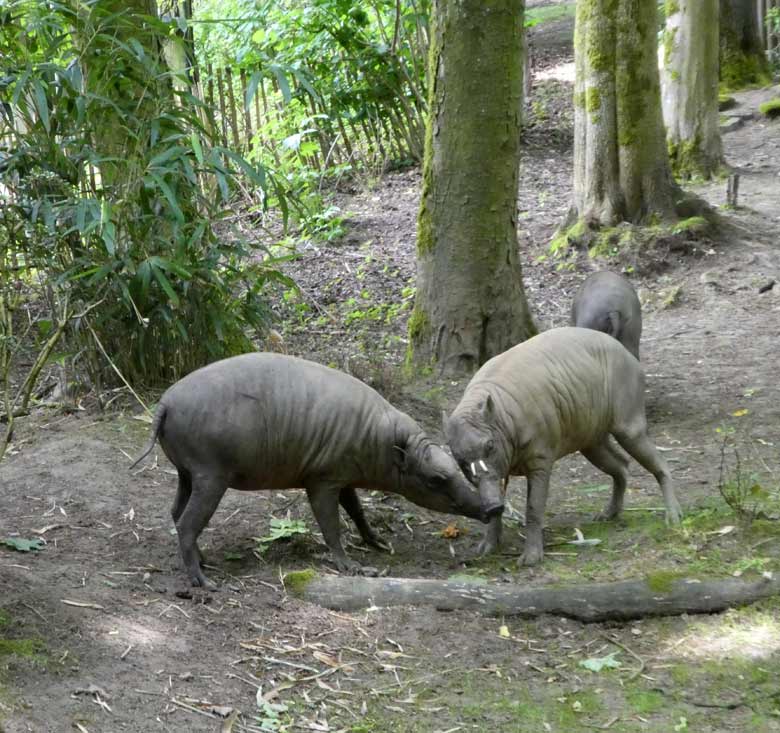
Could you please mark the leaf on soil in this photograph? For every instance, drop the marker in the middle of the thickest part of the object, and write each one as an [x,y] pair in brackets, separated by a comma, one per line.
[740,413]
[596,664]
[581,539]
[728,529]
[450,532]
[504,631]
[327,659]
[144,418]
[21,545]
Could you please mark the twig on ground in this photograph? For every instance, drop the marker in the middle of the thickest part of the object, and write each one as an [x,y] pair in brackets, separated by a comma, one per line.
[79,604]
[36,612]
[639,659]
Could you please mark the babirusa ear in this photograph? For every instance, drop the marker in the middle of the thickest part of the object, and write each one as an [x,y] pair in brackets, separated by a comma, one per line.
[444,421]
[488,408]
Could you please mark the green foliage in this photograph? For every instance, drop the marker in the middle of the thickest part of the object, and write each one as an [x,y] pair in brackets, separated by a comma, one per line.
[22,545]
[546,13]
[742,489]
[282,529]
[115,187]
[341,83]
[270,718]
[773,29]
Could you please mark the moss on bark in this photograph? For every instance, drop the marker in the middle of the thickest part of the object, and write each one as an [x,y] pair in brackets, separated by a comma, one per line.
[743,62]
[621,170]
[470,303]
[296,581]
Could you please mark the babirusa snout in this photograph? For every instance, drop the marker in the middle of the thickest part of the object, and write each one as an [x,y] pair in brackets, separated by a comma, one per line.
[491,496]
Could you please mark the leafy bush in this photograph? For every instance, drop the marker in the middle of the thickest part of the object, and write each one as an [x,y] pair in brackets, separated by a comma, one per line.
[114,186]
[773,29]
[342,83]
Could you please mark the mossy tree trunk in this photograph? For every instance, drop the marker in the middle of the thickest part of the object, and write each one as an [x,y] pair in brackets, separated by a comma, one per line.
[470,301]
[742,58]
[690,87]
[621,167]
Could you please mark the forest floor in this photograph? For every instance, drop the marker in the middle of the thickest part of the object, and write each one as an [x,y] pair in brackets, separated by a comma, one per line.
[99,631]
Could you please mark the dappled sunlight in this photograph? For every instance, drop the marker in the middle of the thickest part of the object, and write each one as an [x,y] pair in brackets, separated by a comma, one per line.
[732,636]
[562,72]
[128,633]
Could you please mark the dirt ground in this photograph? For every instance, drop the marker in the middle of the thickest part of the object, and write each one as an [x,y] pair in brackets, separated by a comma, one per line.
[100,632]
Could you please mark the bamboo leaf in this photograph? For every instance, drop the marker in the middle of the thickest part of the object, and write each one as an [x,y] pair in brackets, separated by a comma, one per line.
[166,286]
[284,86]
[196,147]
[42,104]
[169,195]
[251,88]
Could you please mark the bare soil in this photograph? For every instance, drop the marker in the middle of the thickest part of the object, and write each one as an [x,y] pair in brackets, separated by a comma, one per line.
[100,632]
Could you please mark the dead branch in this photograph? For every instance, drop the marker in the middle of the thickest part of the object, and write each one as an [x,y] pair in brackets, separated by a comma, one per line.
[596,602]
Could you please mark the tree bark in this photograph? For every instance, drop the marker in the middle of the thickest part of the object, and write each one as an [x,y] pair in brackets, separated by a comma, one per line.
[470,301]
[596,602]
[690,87]
[742,58]
[621,168]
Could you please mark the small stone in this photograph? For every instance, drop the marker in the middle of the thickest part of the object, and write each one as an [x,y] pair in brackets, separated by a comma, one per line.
[709,278]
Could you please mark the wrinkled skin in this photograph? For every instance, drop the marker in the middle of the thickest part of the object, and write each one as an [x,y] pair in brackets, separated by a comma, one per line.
[608,303]
[269,421]
[565,390]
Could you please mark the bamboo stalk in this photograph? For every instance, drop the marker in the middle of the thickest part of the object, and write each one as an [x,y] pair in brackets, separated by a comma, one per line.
[222,114]
[232,102]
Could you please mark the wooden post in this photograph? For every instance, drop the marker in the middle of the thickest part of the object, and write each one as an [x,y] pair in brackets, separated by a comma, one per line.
[732,192]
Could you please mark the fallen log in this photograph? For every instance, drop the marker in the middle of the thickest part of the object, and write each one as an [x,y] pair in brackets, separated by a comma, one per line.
[620,601]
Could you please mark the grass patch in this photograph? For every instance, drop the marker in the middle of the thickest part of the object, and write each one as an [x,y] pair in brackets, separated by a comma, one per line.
[30,648]
[645,702]
[548,13]
[771,108]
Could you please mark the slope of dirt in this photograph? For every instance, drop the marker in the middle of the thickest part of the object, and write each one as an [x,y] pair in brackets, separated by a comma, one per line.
[99,631]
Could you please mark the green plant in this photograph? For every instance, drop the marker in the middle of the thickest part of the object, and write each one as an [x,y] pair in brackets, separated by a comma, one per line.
[269,718]
[22,545]
[742,490]
[281,529]
[114,186]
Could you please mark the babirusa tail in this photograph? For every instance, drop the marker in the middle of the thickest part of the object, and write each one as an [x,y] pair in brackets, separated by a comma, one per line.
[157,425]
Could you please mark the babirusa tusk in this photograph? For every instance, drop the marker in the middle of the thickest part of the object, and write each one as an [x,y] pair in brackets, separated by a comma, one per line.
[473,470]
[484,467]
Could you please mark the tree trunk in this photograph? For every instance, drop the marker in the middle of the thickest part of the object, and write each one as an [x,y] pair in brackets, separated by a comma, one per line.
[470,302]
[596,602]
[690,87]
[742,58]
[621,168]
